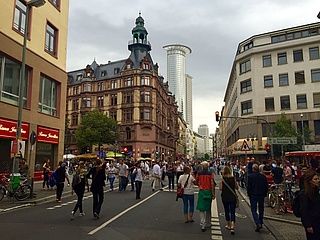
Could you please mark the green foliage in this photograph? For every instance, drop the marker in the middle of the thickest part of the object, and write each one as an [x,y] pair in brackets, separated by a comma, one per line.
[206,156]
[96,129]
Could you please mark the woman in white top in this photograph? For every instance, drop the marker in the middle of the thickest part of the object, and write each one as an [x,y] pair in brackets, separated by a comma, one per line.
[111,171]
[138,173]
[186,181]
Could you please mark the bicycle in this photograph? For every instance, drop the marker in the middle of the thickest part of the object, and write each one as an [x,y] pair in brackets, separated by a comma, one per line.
[20,192]
[280,196]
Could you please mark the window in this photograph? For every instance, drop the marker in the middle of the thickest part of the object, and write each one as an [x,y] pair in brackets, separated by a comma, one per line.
[248,46]
[48,96]
[113,99]
[75,104]
[267,61]
[79,77]
[246,86]
[246,107]
[103,73]
[282,58]
[297,55]
[301,101]
[20,16]
[314,53]
[245,66]
[317,127]
[100,86]
[116,71]
[299,77]
[315,75]
[145,80]
[56,3]
[75,90]
[145,96]
[86,102]
[113,84]
[145,114]
[128,97]
[86,87]
[100,101]
[9,81]
[51,39]
[316,99]
[285,102]
[74,121]
[128,133]
[283,79]
[268,81]
[269,103]
[127,115]
[146,66]
[305,125]
[113,114]
[128,82]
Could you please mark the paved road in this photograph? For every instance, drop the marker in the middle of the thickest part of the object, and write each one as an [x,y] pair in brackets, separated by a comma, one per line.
[156,216]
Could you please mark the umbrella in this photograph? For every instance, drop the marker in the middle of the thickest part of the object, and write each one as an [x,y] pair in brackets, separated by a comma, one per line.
[68,156]
[86,155]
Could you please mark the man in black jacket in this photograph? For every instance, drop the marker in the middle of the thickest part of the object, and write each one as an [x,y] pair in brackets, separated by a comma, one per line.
[257,191]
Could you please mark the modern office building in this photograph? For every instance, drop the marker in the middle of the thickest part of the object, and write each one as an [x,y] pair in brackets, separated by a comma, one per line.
[176,75]
[131,92]
[44,94]
[203,130]
[189,115]
[272,73]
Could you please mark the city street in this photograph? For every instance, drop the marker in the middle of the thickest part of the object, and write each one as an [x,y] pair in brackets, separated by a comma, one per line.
[156,216]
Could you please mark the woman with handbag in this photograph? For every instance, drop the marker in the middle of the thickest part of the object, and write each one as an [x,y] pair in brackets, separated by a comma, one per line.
[186,182]
[228,185]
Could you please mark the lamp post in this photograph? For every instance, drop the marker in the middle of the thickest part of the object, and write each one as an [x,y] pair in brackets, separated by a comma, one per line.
[29,5]
[302,129]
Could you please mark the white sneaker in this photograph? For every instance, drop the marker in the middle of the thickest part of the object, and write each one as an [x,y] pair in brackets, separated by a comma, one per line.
[82,214]
[72,215]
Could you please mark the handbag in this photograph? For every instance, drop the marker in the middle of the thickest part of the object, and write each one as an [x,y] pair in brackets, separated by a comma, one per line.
[180,190]
[234,193]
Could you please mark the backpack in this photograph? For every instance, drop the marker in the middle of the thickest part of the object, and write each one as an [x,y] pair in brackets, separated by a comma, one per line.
[53,180]
[296,208]
[76,179]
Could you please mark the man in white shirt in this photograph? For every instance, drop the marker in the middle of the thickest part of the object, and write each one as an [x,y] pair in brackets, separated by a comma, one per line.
[123,176]
[156,176]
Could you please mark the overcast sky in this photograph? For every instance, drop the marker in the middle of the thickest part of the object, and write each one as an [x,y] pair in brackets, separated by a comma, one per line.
[101,29]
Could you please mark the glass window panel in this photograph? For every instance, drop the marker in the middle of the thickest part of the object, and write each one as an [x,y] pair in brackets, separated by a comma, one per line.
[299,77]
[301,101]
[268,81]
[315,75]
[283,79]
[314,53]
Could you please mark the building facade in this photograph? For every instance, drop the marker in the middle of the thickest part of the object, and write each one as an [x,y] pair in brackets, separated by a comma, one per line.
[273,73]
[45,80]
[189,96]
[131,92]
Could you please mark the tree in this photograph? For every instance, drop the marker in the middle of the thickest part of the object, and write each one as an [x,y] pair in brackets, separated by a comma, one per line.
[96,129]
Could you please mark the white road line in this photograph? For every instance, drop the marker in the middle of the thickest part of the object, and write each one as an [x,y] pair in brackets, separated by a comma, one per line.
[120,214]
[215,230]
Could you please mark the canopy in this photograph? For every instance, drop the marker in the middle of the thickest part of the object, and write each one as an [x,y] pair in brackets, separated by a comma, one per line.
[68,156]
[303,153]
[86,155]
[111,154]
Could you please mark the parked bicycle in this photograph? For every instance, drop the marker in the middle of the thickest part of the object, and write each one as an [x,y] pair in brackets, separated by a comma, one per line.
[20,191]
[280,196]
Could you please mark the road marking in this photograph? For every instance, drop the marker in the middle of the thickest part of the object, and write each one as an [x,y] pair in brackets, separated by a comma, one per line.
[16,207]
[216,233]
[120,214]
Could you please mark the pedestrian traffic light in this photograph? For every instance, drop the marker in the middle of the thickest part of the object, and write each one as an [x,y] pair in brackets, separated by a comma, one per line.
[217,116]
[125,150]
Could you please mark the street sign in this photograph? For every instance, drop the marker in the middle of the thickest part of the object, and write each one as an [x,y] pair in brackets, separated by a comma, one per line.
[245,146]
[282,140]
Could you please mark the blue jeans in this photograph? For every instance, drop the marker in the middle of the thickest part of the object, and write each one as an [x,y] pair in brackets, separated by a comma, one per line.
[230,210]
[254,201]
[111,182]
[186,198]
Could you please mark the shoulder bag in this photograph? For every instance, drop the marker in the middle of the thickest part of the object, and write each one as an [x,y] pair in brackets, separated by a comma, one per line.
[180,190]
[234,193]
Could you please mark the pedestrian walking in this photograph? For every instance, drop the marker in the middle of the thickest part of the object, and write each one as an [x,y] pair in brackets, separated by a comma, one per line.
[111,172]
[46,171]
[179,170]
[123,176]
[78,186]
[98,176]
[131,167]
[277,173]
[186,181]
[156,176]
[228,186]
[62,175]
[205,181]
[310,205]
[138,176]
[170,174]
[257,191]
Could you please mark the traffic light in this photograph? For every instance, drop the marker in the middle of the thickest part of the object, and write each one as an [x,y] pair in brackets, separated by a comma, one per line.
[125,150]
[268,149]
[217,116]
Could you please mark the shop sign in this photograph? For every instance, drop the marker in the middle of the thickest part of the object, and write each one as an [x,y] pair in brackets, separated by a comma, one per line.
[8,129]
[47,135]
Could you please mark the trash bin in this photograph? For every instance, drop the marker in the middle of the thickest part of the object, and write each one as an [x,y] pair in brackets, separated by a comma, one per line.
[16,180]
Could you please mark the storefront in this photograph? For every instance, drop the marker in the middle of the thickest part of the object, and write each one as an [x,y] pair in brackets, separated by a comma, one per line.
[8,131]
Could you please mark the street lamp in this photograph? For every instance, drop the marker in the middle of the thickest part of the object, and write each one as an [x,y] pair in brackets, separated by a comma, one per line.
[302,128]
[29,5]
